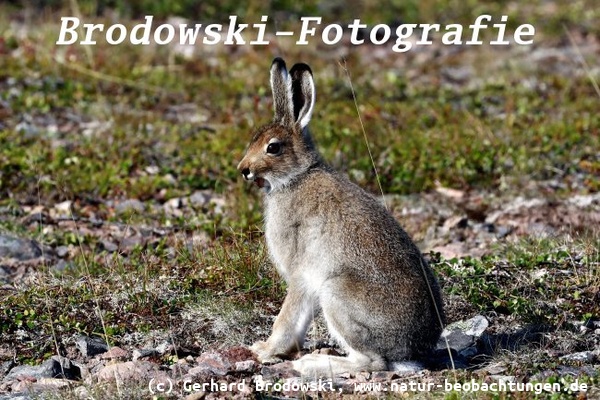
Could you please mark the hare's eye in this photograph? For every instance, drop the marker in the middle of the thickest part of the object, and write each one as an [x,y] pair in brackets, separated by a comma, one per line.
[274,148]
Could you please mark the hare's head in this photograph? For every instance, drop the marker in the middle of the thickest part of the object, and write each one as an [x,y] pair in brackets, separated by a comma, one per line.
[283,149]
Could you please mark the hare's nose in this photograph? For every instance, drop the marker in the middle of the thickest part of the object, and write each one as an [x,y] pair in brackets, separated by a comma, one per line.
[247,174]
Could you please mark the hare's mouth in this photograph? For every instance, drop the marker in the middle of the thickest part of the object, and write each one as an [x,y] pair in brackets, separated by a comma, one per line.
[262,183]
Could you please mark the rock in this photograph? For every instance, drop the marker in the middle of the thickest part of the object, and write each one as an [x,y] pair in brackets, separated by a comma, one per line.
[495,368]
[462,336]
[196,396]
[126,371]
[164,347]
[16,396]
[279,370]
[144,353]
[583,356]
[384,375]
[132,371]
[109,246]
[130,206]
[62,251]
[583,201]
[173,205]
[477,325]
[37,218]
[129,243]
[115,353]
[458,75]
[247,366]
[442,359]
[64,207]
[455,222]
[19,249]
[218,204]
[81,392]
[55,367]
[199,198]
[45,385]
[61,266]
[89,347]
[503,378]
[210,363]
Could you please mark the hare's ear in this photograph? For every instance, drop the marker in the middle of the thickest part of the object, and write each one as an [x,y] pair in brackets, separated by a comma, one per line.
[281,84]
[303,93]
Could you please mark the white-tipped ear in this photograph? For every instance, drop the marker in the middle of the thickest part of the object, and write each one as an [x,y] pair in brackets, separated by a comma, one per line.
[281,85]
[303,93]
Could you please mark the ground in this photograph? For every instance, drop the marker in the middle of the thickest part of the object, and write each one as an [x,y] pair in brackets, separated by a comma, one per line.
[123,218]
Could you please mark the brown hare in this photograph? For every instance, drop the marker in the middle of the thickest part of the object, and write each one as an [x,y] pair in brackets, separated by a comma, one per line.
[339,250]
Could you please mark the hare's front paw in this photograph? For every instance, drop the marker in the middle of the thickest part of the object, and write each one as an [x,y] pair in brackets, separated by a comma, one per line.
[264,353]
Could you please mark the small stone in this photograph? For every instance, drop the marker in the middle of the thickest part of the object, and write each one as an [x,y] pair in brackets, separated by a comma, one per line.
[64,207]
[89,347]
[455,222]
[144,353]
[199,199]
[130,206]
[384,375]
[37,218]
[172,204]
[495,369]
[81,392]
[138,371]
[196,396]
[503,378]
[121,372]
[129,243]
[62,251]
[164,347]
[462,335]
[477,325]
[210,363]
[583,356]
[19,249]
[280,370]
[115,353]
[246,366]
[109,246]
[61,266]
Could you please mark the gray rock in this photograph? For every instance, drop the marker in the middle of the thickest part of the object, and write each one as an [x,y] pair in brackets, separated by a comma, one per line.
[89,347]
[129,206]
[143,353]
[5,367]
[19,249]
[61,266]
[200,198]
[109,246]
[55,367]
[462,336]
[246,366]
[583,356]
[62,251]
[280,370]
[128,244]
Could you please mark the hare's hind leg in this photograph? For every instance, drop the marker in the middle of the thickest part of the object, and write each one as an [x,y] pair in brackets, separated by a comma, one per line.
[319,365]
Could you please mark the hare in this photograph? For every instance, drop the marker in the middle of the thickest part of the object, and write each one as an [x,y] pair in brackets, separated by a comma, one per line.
[339,250]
